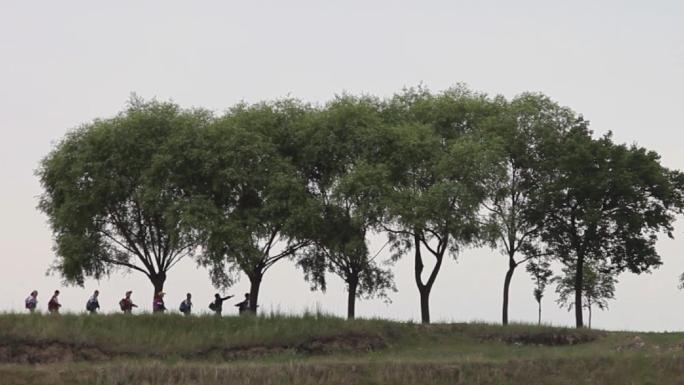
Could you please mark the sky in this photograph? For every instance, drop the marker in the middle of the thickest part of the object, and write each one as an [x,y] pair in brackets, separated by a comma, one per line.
[618,63]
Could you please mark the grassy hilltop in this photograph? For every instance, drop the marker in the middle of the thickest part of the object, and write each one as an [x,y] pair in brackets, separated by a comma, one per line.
[314,349]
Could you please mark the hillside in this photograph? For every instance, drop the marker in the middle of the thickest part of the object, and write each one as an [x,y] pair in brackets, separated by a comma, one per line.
[146,349]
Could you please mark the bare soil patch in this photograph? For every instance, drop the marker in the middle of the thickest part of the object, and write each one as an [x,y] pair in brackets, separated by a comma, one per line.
[46,352]
[314,346]
[545,338]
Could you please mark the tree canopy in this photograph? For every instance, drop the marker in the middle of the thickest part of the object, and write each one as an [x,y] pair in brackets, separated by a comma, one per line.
[108,205]
[433,173]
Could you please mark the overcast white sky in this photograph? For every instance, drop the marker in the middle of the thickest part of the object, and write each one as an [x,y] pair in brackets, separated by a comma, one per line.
[63,63]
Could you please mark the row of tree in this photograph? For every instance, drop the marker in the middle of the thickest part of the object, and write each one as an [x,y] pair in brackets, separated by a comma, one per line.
[435,172]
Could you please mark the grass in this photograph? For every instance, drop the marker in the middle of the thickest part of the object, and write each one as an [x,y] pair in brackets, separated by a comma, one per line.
[163,350]
[171,334]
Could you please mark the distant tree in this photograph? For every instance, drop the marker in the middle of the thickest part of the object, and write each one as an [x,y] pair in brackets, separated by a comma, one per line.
[333,156]
[605,205]
[436,171]
[342,250]
[598,287]
[108,205]
[540,270]
[520,130]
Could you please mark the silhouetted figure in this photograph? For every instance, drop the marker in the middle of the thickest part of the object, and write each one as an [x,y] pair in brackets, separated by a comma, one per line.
[31,301]
[54,305]
[93,303]
[243,307]
[186,305]
[158,303]
[127,304]
[217,305]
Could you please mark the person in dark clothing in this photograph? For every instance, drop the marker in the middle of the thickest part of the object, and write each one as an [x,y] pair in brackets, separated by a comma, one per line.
[186,305]
[243,307]
[31,301]
[217,305]
[54,305]
[93,303]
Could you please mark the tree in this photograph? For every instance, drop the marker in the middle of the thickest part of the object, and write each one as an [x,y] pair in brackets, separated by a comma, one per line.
[598,287]
[334,157]
[435,174]
[109,206]
[245,197]
[605,204]
[520,131]
[541,273]
[342,250]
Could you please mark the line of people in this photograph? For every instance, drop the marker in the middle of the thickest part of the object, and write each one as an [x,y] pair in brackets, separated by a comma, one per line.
[126,304]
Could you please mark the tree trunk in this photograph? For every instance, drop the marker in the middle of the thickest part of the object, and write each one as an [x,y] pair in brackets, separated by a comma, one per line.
[589,316]
[507,283]
[425,288]
[425,304]
[579,283]
[255,284]
[158,283]
[351,297]
[422,289]
[539,313]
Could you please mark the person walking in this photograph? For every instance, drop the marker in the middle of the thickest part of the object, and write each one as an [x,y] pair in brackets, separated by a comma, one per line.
[93,304]
[54,305]
[186,305]
[158,303]
[31,302]
[243,307]
[217,305]
[127,304]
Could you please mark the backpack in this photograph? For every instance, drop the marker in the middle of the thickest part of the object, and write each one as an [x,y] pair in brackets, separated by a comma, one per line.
[212,306]
[184,308]
[124,305]
[91,305]
[53,305]
[29,304]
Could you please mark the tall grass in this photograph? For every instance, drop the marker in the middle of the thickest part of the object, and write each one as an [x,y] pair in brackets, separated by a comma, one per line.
[416,354]
[616,370]
[149,333]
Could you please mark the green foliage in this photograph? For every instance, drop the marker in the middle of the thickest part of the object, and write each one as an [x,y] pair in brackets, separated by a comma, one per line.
[436,168]
[108,205]
[341,144]
[246,196]
[519,132]
[540,270]
[598,287]
[279,180]
[605,204]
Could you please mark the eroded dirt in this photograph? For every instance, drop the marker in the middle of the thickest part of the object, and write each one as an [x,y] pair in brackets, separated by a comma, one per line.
[45,352]
[313,346]
[550,338]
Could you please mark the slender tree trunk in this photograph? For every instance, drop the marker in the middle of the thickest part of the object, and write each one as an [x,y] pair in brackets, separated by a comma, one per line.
[579,283]
[423,289]
[539,313]
[425,304]
[589,316]
[507,284]
[351,297]
[255,284]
